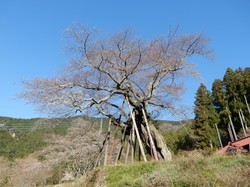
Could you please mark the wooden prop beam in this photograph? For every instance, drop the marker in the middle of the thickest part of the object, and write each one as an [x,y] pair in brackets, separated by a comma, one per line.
[137,132]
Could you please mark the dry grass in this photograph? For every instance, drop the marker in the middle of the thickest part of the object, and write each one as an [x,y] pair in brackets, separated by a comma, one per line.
[187,170]
[23,172]
[29,172]
[4,171]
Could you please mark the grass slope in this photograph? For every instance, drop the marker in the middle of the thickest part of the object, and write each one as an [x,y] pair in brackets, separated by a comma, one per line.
[188,170]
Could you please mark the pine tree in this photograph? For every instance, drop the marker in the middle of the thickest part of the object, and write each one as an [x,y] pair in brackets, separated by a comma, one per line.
[246,77]
[205,119]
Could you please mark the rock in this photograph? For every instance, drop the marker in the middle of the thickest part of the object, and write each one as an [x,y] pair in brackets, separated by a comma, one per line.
[68,177]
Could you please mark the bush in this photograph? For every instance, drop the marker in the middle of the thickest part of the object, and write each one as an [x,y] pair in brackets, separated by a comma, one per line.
[179,140]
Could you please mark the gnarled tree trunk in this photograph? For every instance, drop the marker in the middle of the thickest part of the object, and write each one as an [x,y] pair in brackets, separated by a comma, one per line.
[159,145]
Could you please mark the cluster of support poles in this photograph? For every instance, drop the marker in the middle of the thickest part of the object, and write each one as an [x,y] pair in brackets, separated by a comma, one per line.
[231,129]
[129,142]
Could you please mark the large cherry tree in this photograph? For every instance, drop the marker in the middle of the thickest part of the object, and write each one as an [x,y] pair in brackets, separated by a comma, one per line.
[122,77]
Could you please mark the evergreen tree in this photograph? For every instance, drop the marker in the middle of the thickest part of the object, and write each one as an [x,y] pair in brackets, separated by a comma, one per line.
[246,75]
[234,86]
[240,87]
[218,94]
[230,85]
[205,119]
[220,104]
[227,98]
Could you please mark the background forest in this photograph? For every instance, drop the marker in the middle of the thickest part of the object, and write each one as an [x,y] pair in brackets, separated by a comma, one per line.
[224,105]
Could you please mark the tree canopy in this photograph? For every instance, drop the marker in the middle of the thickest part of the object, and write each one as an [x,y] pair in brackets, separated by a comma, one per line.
[103,71]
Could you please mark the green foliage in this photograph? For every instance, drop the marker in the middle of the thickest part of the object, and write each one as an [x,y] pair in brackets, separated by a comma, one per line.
[26,144]
[5,182]
[218,94]
[179,140]
[227,98]
[246,76]
[30,135]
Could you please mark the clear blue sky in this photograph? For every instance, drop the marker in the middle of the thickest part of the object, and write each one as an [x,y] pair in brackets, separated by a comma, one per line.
[32,36]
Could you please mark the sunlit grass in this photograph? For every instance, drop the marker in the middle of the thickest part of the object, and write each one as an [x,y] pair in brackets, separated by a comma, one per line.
[192,170]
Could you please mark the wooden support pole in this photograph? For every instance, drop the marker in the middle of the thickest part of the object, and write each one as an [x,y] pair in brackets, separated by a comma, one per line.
[230,133]
[247,104]
[152,144]
[132,144]
[232,126]
[115,135]
[219,137]
[100,130]
[211,144]
[137,132]
[121,145]
[248,112]
[128,148]
[107,144]
[244,120]
[242,124]
[100,145]
[113,144]
[101,149]
[135,146]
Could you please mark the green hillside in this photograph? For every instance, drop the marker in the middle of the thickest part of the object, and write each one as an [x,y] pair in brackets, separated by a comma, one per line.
[30,134]
[187,170]
[21,137]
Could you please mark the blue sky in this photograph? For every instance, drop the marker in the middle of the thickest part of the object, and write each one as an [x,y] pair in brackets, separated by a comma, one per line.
[32,36]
